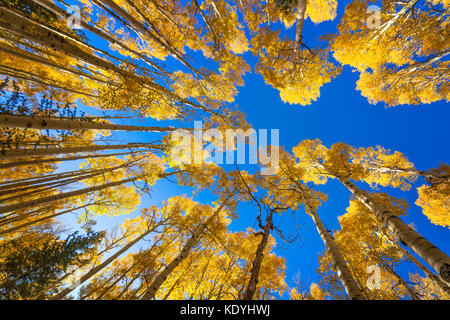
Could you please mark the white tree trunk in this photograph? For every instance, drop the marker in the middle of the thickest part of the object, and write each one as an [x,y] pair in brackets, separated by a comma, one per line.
[39,201]
[424,248]
[55,9]
[100,267]
[344,274]
[299,19]
[21,153]
[50,160]
[44,123]
[425,270]
[159,280]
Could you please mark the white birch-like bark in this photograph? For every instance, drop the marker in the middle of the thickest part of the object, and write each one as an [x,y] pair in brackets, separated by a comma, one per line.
[60,196]
[100,267]
[344,274]
[424,248]
[299,19]
[7,165]
[159,280]
[21,153]
[46,123]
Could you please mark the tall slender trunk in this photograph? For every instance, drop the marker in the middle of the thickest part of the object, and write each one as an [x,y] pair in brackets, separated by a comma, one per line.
[161,12]
[7,197]
[34,78]
[411,292]
[159,280]
[55,178]
[424,248]
[142,29]
[16,185]
[425,270]
[38,59]
[413,172]
[61,196]
[205,19]
[299,19]
[171,289]
[31,223]
[55,9]
[29,29]
[344,274]
[123,275]
[21,153]
[45,123]
[127,286]
[257,261]
[32,30]
[389,23]
[50,160]
[100,267]
[13,217]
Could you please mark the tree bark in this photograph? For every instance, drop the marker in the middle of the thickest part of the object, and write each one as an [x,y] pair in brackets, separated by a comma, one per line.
[411,292]
[35,58]
[159,280]
[44,123]
[344,274]
[113,284]
[61,196]
[21,153]
[414,172]
[425,270]
[27,28]
[23,185]
[100,267]
[256,265]
[299,19]
[425,249]
[127,286]
[31,223]
[50,160]
[55,9]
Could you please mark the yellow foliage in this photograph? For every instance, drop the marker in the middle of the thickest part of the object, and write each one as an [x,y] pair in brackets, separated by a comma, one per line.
[435,203]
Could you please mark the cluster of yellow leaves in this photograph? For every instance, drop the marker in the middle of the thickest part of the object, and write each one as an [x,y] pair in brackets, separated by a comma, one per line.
[223,19]
[375,166]
[321,10]
[315,293]
[427,288]
[215,88]
[51,78]
[401,60]
[435,203]
[111,201]
[287,187]
[220,270]
[298,77]
[405,86]
[364,243]
[127,94]
[383,167]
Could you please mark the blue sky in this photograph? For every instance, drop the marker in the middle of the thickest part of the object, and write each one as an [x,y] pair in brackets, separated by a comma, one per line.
[341,114]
